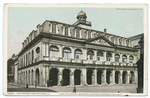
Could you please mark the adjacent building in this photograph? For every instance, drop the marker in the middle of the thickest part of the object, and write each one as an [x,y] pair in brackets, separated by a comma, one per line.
[60,54]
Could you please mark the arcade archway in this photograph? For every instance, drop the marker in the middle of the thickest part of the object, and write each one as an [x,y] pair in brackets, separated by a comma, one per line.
[77,77]
[53,77]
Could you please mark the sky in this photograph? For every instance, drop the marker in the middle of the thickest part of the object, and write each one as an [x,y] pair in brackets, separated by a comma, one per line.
[22,20]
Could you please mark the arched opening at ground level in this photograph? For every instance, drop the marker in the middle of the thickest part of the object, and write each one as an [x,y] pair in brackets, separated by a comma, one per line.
[66,77]
[124,77]
[99,76]
[132,77]
[108,74]
[77,77]
[37,77]
[89,77]
[117,77]
[53,77]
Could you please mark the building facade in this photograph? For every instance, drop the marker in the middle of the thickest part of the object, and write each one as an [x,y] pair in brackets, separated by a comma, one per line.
[60,54]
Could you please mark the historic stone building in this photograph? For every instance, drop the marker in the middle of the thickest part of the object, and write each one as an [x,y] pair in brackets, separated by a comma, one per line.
[60,54]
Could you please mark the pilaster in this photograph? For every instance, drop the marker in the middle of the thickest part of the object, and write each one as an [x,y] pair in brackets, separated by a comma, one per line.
[104,77]
[60,76]
[72,77]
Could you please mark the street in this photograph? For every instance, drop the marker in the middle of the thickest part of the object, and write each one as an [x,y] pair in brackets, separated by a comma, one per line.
[103,89]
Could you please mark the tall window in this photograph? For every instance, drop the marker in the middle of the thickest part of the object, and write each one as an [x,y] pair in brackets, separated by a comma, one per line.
[66,31]
[90,55]
[117,57]
[108,57]
[130,59]
[66,53]
[32,56]
[53,51]
[78,54]
[89,34]
[78,33]
[26,59]
[116,41]
[37,52]
[99,55]
[53,28]
[29,58]
[124,58]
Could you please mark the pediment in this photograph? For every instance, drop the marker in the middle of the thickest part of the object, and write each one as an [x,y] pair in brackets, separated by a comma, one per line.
[101,41]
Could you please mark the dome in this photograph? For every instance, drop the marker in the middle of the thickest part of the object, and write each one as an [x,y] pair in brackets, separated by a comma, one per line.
[81,13]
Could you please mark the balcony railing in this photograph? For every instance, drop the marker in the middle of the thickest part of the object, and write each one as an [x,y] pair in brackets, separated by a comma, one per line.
[85,61]
[76,61]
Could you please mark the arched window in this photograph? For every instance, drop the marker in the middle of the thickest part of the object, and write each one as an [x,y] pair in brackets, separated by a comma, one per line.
[108,56]
[117,56]
[124,58]
[78,33]
[99,55]
[53,51]
[90,55]
[130,59]
[66,53]
[37,52]
[89,34]
[53,28]
[78,54]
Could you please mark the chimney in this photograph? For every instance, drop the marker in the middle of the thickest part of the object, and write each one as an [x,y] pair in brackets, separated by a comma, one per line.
[105,30]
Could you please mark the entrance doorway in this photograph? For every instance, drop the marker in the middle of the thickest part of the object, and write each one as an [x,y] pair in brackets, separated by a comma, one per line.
[77,77]
[66,77]
[53,77]
[89,77]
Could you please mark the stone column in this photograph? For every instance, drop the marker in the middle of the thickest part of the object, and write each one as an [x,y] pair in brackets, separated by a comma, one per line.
[69,31]
[112,77]
[84,82]
[43,46]
[95,55]
[46,75]
[63,33]
[104,77]
[72,52]
[113,57]
[120,77]
[57,29]
[104,59]
[95,77]
[60,51]
[127,77]
[84,54]
[72,77]
[46,49]
[120,57]
[128,58]
[59,76]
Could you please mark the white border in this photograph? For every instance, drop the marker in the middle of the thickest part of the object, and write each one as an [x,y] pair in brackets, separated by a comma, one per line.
[144,6]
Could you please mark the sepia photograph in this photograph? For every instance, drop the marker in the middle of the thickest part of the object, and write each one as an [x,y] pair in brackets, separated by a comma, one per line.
[75,49]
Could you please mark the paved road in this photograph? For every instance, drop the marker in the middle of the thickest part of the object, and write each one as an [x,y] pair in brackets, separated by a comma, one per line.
[103,89]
